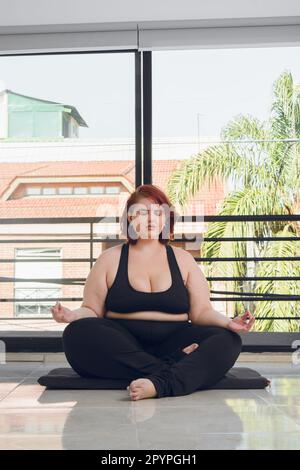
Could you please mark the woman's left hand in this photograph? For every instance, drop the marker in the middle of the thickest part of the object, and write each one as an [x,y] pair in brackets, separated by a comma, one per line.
[242,323]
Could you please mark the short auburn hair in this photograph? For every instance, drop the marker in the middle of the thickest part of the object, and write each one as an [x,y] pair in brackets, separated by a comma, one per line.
[158,196]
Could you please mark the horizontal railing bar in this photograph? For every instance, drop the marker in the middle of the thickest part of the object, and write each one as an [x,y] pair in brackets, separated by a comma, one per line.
[13,319]
[288,297]
[258,294]
[41,260]
[41,299]
[244,258]
[246,239]
[52,240]
[185,218]
[50,318]
[57,220]
[217,278]
[254,294]
[196,258]
[186,240]
[254,278]
[77,299]
[50,280]
[277,318]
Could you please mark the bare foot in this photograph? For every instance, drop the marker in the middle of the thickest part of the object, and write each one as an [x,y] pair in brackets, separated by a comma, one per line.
[144,388]
[190,348]
[141,388]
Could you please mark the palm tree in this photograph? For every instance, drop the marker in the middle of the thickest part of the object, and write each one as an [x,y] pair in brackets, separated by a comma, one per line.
[262,162]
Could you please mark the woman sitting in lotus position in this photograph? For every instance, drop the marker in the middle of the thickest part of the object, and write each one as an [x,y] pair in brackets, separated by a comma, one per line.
[146,314]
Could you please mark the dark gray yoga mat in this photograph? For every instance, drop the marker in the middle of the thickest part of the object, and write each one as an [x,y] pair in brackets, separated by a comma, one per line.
[67,378]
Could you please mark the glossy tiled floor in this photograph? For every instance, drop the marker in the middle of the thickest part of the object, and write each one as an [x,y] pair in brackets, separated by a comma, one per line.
[34,418]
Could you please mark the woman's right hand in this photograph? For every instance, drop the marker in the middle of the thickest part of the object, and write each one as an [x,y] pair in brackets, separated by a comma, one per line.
[62,314]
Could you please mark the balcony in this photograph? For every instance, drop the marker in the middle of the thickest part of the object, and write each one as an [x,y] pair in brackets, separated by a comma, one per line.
[26,323]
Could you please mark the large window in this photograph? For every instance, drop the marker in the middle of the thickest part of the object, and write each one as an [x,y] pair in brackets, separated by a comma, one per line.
[225,141]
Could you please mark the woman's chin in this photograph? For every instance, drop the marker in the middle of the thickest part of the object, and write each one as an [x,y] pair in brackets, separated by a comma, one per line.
[150,234]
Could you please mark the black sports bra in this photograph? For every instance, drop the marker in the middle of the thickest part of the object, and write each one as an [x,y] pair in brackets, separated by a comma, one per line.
[123,298]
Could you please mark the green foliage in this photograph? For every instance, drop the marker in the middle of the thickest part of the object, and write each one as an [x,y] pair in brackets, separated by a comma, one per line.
[264,168]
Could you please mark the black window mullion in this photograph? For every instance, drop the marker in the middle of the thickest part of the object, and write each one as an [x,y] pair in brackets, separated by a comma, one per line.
[138,119]
[147,117]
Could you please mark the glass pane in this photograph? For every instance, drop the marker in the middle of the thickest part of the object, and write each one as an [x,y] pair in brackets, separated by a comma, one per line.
[112,189]
[79,190]
[226,142]
[33,191]
[49,191]
[96,189]
[65,190]
[67,129]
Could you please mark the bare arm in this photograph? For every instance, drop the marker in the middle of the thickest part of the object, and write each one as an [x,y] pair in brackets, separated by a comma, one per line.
[201,310]
[95,290]
[82,312]
[94,293]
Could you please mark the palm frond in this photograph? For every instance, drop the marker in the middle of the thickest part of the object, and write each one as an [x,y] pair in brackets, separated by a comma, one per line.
[274,308]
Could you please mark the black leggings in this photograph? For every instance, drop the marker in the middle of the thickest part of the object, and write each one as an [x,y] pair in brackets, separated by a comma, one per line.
[132,349]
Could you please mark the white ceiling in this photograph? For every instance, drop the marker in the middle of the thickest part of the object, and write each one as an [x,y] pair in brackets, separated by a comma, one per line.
[79,15]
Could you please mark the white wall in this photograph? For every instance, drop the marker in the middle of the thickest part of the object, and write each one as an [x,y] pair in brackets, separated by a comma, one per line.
[3,115]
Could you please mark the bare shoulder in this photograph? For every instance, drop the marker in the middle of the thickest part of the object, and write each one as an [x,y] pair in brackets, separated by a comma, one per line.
[108,255]
[96,286]
[183,255]
[185,262]
[111,252]
[188,262]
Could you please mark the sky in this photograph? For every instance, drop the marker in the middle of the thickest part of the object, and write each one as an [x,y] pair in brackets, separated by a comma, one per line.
[195,92]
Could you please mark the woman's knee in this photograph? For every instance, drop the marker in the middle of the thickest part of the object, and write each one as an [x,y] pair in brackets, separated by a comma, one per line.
[72,327]
[81,340]
[80,330]
[232,339]
[227,339]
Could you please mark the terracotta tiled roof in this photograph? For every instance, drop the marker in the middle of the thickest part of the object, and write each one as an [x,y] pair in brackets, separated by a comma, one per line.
[89,206]
[9,171]
[61,207]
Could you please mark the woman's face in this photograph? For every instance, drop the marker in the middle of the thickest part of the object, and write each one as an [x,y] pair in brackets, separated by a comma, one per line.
[147,219]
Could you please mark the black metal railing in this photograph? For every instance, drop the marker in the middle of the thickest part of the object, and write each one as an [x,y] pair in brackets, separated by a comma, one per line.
[91,240]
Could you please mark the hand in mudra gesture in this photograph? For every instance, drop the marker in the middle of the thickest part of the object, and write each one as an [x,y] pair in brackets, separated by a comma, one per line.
[62,314]
[242,323]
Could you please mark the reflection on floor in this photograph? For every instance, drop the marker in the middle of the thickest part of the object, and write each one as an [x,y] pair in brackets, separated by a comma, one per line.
[34,418]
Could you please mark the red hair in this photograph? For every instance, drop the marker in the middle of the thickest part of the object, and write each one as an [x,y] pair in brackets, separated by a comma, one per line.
[157,196]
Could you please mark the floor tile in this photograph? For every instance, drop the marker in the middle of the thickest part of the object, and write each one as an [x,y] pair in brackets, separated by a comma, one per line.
[33,417]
